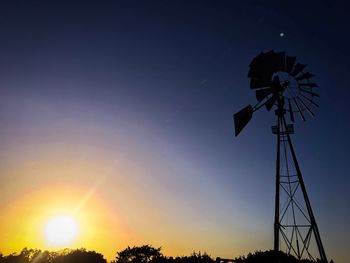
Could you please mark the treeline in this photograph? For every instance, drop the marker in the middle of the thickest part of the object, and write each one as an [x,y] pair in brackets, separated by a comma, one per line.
[64,256]
[141,254]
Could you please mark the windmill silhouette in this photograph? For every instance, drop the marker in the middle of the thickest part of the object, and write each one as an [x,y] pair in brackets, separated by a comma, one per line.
[280,82]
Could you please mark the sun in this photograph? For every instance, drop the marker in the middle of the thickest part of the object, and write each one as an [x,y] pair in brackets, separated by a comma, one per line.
[61,230]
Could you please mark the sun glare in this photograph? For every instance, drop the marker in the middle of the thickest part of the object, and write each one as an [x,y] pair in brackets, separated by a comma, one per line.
[61,230]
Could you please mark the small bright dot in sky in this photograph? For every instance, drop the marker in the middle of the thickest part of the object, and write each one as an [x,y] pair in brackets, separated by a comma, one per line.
[281,34]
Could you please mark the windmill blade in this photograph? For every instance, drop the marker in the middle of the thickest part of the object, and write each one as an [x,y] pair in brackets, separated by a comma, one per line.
[263,93]
[256,68]
[297,69]
[291,114]
[306,107]
[276,61]
[242,118]
[258,83]
[290,61]
[276,87]
[271,101]
[309,100]
[299,110]
[308,84]
[309,92]
[260,72]
[263,66]
[257,59]
[305,75]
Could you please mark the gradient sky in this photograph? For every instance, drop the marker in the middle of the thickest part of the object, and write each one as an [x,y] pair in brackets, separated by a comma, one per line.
[120,112]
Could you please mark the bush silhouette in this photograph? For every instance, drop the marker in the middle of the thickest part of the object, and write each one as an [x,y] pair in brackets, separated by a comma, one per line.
[270,257]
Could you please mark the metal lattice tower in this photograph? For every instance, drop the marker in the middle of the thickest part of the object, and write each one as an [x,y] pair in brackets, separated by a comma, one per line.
[281,83]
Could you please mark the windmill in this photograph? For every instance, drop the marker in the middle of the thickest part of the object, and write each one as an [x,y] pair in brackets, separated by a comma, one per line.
[280,82]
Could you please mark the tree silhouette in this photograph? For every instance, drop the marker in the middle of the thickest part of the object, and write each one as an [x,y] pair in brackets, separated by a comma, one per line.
[64,256]
[25,256]
[143,254]
[79,255]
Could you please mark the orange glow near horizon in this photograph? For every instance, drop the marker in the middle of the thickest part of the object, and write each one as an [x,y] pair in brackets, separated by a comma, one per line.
[27,220]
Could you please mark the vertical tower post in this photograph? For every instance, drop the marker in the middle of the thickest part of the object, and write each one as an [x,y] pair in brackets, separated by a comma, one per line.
[277,194]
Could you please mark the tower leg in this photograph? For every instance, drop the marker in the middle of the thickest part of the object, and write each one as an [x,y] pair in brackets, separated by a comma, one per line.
[277,194]
[313,225]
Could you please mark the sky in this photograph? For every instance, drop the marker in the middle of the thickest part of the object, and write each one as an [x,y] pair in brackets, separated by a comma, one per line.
[119,113]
